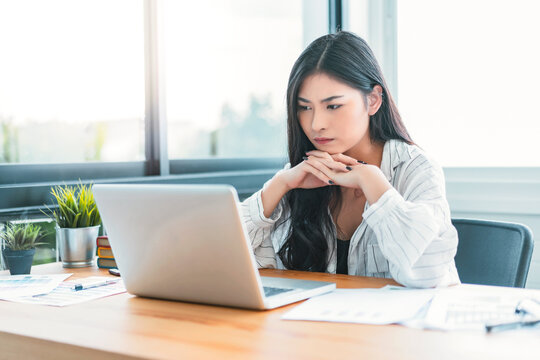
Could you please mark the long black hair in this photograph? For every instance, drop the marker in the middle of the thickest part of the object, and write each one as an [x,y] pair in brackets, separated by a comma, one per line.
[347,58]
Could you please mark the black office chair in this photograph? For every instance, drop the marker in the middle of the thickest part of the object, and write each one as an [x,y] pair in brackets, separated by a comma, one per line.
[493,252]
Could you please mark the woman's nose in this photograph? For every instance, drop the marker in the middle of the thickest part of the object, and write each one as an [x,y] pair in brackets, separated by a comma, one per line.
[319,121]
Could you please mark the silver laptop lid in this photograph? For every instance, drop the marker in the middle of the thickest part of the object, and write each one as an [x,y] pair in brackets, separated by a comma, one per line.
[181,242]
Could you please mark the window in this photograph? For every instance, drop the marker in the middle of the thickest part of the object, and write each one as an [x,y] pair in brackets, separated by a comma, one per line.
[71,81]
[227,65]
[356,20]
[468,76]
[73,91]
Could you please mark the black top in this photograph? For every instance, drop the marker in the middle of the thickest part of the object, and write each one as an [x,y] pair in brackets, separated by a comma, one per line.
[342,256]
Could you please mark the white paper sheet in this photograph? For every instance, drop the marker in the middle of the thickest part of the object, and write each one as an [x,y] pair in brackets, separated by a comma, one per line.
[12,286]
[468,307]
[64,294]
[388,305]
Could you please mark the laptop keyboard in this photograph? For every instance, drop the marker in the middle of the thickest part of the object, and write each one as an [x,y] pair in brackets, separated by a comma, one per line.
[270,291]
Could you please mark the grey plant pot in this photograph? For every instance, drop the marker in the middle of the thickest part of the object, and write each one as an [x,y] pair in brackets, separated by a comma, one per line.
[77,246]
[19,261]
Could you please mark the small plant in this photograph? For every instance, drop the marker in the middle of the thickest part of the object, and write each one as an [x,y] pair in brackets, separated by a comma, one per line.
[21,236]
[76,207]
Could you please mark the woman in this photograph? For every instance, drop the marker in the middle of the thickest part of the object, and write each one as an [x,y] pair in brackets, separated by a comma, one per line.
[358,197]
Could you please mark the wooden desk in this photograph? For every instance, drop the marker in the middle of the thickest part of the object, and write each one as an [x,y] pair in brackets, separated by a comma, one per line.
[124,326]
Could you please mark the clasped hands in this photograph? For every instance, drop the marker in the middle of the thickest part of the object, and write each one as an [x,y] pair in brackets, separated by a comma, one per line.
[320,169]
[334,169]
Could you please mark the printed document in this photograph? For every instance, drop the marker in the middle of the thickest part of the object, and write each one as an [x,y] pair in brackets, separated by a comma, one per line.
[388,305]
[13,286]
[462,307]
[65,295]
[467,307]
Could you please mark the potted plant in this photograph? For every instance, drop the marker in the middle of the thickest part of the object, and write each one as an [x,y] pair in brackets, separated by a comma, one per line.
[20,241]
[77,224]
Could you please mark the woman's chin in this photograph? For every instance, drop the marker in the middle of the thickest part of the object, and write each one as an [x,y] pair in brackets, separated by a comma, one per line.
[329,147]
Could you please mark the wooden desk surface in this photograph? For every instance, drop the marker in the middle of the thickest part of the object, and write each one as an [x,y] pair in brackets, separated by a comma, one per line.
[125,326]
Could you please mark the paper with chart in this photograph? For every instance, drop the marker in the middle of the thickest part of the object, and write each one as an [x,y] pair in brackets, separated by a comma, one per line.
[64,294]
[13,286]
[468,307]
[388,305]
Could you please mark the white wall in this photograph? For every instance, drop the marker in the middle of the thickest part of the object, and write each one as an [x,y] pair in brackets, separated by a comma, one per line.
[507,194]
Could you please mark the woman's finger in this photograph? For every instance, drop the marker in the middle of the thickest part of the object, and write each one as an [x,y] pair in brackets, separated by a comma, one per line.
[319,154]
[318,165]
[346,159]
[331,164]
[317,173]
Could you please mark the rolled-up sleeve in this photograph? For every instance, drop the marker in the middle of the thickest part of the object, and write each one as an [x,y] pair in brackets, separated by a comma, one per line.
[414,230]
[260,228]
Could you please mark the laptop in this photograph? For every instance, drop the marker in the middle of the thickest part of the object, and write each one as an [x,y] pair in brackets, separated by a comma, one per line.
[188,243]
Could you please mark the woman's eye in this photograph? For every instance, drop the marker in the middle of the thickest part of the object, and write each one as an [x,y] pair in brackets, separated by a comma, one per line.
[333,107]
[303,108]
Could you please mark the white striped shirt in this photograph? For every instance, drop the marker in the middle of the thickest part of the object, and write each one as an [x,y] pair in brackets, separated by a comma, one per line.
[406,235]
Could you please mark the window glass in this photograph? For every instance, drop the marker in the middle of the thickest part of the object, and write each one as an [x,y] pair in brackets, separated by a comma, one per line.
[468,76]
[357,19]
[227,65]
[71,81]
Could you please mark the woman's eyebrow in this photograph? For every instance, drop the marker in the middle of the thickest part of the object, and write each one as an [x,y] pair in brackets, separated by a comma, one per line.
[331,98]
[323,100]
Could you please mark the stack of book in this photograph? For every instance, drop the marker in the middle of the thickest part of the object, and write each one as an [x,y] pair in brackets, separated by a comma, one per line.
[104,253]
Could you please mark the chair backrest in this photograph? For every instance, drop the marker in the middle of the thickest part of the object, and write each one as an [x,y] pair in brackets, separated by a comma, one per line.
[493,252]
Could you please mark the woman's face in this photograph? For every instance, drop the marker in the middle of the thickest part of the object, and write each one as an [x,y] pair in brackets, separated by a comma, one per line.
[332,114]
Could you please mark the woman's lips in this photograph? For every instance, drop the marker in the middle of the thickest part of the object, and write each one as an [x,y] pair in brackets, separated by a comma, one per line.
[322,140]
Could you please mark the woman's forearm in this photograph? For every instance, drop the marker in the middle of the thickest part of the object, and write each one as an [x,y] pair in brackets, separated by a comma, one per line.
[272,194]
[373,182]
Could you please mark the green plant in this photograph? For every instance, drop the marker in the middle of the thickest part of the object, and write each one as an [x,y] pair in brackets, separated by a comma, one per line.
[76,207]
[21,236]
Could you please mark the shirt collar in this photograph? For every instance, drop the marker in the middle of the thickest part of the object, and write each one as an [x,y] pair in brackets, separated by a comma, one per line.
[393,152]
